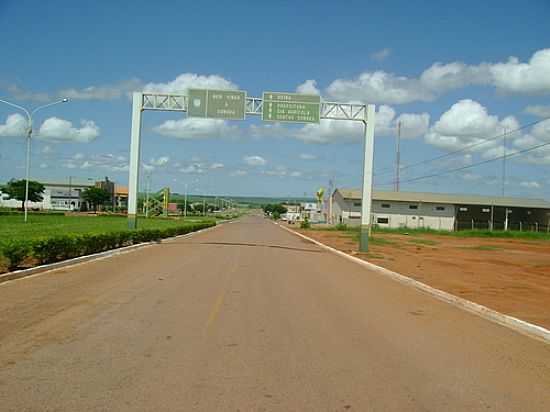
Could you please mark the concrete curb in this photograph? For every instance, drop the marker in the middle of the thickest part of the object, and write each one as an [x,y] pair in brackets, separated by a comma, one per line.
[518,325]
[42,269]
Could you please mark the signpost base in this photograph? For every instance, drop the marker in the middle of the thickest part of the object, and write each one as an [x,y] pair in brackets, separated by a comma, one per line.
[364,239]
[132,222]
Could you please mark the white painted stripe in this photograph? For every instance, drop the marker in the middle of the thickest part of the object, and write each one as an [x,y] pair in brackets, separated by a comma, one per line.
[510,322]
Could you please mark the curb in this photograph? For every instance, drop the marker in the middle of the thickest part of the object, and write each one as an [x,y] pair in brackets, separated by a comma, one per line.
[42,269]
[518,325]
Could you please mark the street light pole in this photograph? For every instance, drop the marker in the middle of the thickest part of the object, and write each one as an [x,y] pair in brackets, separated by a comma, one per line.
[29,136]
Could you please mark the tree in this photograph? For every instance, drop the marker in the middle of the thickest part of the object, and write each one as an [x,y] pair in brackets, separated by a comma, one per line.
[274,208]
[96,196]
[15,189]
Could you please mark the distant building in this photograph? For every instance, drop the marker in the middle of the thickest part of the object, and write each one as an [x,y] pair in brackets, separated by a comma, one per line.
[67,196]
[442,211]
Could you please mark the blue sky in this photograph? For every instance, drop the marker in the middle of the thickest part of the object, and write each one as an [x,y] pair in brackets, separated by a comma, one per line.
[453,73]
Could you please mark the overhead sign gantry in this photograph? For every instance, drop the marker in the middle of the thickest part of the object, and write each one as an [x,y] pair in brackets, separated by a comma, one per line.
[236,105]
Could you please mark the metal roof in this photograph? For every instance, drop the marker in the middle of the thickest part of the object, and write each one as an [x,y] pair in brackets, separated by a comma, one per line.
[457,199]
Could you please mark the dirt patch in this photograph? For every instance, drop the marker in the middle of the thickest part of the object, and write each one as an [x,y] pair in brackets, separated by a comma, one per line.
[508,275]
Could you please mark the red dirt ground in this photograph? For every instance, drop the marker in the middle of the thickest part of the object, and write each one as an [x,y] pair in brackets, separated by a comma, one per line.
[511,276]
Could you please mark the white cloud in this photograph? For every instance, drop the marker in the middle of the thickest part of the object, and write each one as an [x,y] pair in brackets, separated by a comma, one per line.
[381,54]
[217,166]
[15,126]
[103,92]
[516,77]
[62,130]
[161,161]
[196,128]
[148,168]
[43,165]
[307,156]
[78,156]
[47,149]
[530,184]
[379,87]
[21,94]
[239,173]
[296,174]
[108,162]
[467,123]
[190,80]
[254,160]
[334,131]
[511,76]
[537,110]
[192,169]
[308,87]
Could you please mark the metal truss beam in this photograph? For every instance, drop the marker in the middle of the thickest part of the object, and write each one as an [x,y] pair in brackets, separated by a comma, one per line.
[329,110]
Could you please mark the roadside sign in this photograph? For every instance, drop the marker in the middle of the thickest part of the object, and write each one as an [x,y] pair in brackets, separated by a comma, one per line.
[291,107]
[216,104]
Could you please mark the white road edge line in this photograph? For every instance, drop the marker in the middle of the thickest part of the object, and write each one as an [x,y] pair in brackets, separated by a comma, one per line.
[518,325]
[81,260]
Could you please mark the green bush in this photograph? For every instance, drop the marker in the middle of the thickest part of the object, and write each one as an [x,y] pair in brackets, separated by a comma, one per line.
[15,251]
[305,224]
[54,249]
[341,226]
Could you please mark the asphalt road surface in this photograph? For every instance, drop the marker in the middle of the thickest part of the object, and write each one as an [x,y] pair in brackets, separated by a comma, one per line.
[248,317]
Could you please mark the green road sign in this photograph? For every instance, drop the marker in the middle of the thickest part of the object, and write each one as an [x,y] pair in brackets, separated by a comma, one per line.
[291,107]
[216,104]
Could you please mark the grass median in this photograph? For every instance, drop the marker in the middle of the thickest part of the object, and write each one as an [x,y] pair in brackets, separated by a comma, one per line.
[51,238]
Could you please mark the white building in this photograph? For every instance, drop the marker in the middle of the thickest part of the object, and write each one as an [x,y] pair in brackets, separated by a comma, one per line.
[442,211]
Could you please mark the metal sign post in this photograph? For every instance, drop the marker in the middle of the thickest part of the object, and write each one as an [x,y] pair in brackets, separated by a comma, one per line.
[278,107]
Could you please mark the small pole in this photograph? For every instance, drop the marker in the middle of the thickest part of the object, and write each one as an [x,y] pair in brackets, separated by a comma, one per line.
[28,167]
[504,160]
[473,224]
[398,157]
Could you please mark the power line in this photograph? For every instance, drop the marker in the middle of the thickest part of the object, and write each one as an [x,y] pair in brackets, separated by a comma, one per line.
[465,148]
[458,169]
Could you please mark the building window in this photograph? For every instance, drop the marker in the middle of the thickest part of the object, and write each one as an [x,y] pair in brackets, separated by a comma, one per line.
[413,206]
[356,203]
[414,218]
[440,208]
[383,220]
[484,210]
[385,205]
[463,209]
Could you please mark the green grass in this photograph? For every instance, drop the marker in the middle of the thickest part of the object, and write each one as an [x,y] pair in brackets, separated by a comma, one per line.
[43,226]
[483,247]
[427,242]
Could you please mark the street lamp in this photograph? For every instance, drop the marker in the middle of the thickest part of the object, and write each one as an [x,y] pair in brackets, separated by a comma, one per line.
[29,135]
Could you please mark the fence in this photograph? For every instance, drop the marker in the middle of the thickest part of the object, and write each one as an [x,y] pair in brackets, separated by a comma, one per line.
[500,225]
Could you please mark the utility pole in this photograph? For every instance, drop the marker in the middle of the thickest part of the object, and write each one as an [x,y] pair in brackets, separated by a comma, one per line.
[70,191]
[398,157]
[504,161]
[147,189]
[185,202]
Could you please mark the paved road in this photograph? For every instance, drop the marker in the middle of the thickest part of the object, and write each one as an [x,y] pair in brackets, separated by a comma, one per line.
[247,317]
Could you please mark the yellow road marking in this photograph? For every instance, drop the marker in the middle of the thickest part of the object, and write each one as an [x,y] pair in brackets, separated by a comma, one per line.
[215,310]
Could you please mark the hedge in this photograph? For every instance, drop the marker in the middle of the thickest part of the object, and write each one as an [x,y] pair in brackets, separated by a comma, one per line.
[57,248]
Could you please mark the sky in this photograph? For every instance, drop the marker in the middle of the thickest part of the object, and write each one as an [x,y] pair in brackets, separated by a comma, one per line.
[468,81]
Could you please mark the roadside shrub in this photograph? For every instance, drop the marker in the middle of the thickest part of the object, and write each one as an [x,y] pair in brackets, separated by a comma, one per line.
[305,224]
[15,251]
[341,226]
[59,248]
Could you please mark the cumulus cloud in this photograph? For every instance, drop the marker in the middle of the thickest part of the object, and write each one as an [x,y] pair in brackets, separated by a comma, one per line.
[103,92]
[530,184]
[381,55]
[239,173]
[307,156]
[538,110]
[511,76]
[308,87]
[255,160]
[334,131]
[106,161]
[187,81]
[467,123]
[196,128]
[379,87]
[216,166]
[15,126]
[160,161]
[192,169]
[63,131]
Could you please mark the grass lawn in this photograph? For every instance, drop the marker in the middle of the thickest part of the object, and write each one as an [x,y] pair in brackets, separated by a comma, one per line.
[12,227]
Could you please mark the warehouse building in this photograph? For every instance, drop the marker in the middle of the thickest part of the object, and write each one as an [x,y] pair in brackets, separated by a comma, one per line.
[442,211]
